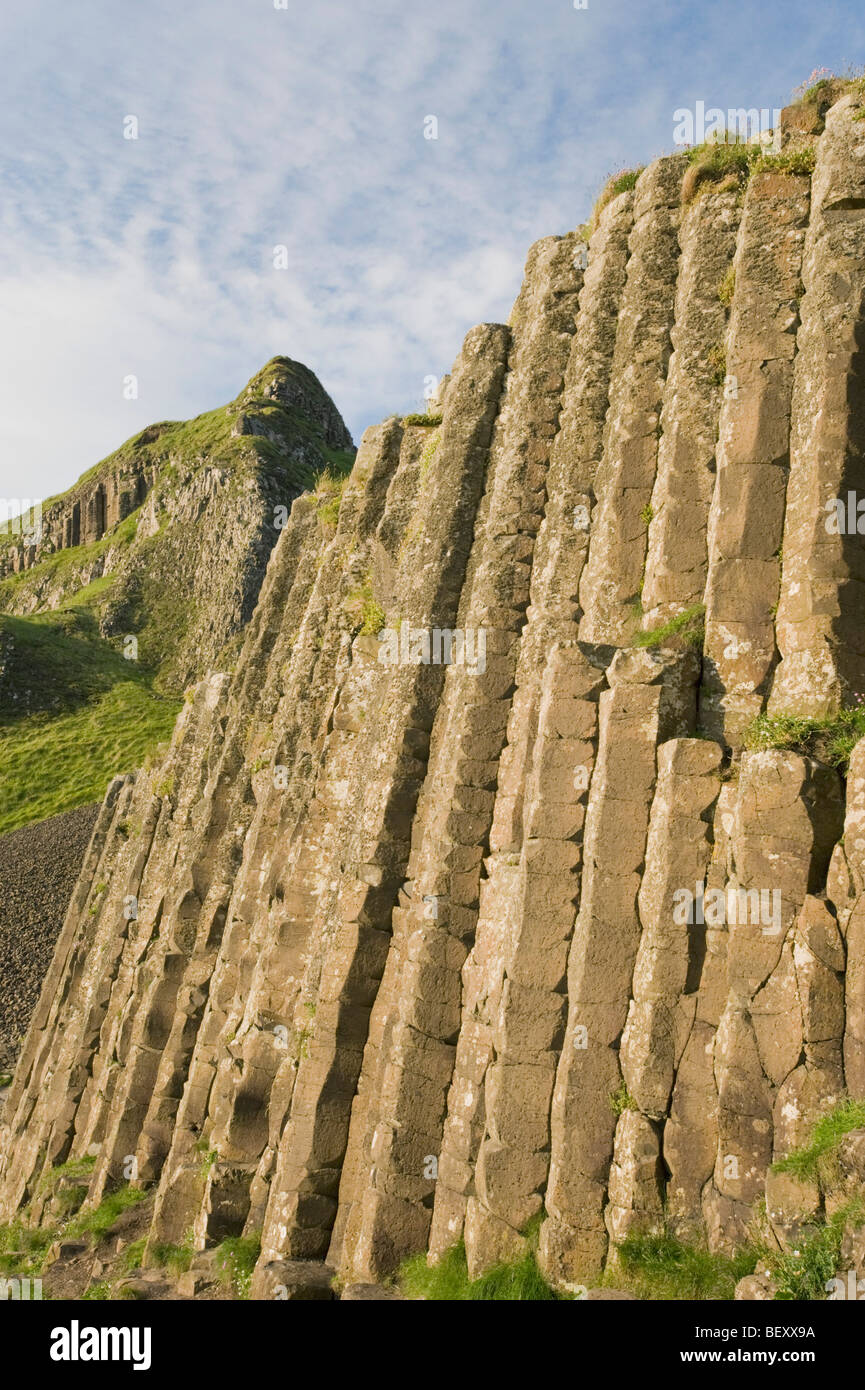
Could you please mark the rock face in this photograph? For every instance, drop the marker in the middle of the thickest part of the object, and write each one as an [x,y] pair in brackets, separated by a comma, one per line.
[460,904]
[175,529]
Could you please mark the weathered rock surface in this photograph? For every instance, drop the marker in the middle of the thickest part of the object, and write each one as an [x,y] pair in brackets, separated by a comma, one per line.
[426,937]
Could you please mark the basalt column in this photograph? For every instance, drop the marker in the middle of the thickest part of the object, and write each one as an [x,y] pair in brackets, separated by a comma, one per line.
[355,911]
[819,626]
[387,1187]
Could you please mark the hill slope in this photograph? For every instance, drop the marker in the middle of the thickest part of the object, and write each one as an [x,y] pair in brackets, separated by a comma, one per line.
[144,576]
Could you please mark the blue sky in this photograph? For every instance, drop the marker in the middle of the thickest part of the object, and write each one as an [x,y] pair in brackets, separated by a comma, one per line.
[304,127]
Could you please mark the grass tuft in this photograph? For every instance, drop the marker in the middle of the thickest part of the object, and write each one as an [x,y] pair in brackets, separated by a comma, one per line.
[237,1258]
[98,1222]
[133,1255]
[620,182]
[176,1259]
[685,629]
[660,1266]
[727,287]
[816,1161]
[430,420]
[798,161]
[716,359]
[727,162]
[622,1100]
[831,739]
[448,1280]
[802,1274]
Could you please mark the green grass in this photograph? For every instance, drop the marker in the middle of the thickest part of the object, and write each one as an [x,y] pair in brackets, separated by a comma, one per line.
[98,1222]
[801,1274]
[23,1248]
[176,1259]
[74,714]
[328,511]
[417,419]
[661,1266]
[237,1259]
[816,1161]
[717,161]
[797,161]
[365,608]
[448,1280]
[831,738]
[716,359]
[98,1293]
[208,1158]
[620,182]
[66,1186]
[430,450]
[685,628]
[52,765]
[622,1100]
[373,618]
[134,1254]
[727,288]
[72,1168]
[59,661]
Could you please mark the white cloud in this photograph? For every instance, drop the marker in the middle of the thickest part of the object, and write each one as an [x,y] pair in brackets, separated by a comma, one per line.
[305,128]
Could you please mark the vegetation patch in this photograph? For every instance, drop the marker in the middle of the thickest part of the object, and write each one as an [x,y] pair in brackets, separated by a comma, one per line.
[176,1259]
[48,766]
[97,1222]
[802,1274]
[328,495]
[365,609]
[817,1161]
[725,161]
[685,629]
[422,419]
[236,1259]
[620,182]
[824,87]
[727,288]
[661,1266]
[622,1100]
[831,738]
[448,1280]
[23,1247]
[796,161]
[133,1255]
[66,1186]
[716,359]
[97,1293]
[73,1168]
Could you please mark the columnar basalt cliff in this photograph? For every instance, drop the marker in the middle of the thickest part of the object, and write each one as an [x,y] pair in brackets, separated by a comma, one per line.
[470,901]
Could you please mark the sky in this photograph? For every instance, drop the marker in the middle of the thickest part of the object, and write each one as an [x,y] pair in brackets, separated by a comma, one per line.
[303,125]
